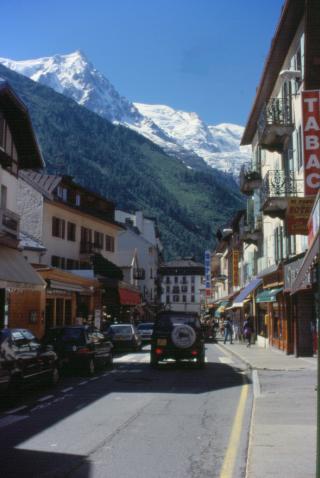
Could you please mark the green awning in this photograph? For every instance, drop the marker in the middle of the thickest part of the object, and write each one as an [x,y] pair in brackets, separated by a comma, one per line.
[268,295]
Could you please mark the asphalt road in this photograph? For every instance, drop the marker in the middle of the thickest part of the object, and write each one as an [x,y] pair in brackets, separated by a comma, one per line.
[177,421]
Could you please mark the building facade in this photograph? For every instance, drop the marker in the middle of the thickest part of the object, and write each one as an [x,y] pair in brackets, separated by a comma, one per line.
[182,281]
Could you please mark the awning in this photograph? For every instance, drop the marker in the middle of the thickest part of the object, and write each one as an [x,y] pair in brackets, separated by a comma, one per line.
[16,272]
[312,254]
[268,295]
[54,284]
[129,297]
[240,299]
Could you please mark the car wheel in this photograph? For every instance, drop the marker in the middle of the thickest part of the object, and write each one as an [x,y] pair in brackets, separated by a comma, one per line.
[55,376]
[14,387]
[154,362]
[91,367]
[201,361]
[109,361]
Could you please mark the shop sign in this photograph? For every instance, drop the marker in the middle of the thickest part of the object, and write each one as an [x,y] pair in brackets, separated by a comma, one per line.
[235,268]
[314,222]
[311,140]
[290,273]
[207,271]
[298,212]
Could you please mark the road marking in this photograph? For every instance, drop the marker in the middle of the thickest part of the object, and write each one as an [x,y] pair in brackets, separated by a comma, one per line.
[44,399]
[16,410]
[65,390]
[234,440]
[83,383]
[226,360]
[94,378]
[10,419]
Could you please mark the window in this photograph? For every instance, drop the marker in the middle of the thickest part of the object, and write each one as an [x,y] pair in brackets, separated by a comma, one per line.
[168,289]
[176,280]
[176,298]
[184,280]
[168,299]
[300,154]
[192,289]
[192,298]
[78,199]
[58,227]
[151,273]
[72,264]
[184,298]
[62,193]
[3,197]
[168,281]
[109,243]
[55,261]
[86,235]
[184,288]
[193,279]
[98,240]
[71,231]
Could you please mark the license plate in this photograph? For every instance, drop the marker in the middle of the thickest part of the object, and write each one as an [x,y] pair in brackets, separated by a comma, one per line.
[162,342]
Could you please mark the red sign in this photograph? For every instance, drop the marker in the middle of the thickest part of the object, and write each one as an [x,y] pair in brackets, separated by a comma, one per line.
[311,141]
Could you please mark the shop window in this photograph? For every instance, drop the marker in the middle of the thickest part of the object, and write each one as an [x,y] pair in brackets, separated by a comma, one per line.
[59,312]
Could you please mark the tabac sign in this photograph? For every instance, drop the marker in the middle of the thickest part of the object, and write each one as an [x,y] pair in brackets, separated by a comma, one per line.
[311,140]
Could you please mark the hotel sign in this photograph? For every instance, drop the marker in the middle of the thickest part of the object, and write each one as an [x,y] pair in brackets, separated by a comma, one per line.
[207,269]
[311,140]
[298,212]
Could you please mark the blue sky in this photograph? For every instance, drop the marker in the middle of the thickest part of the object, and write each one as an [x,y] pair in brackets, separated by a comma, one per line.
[195,55]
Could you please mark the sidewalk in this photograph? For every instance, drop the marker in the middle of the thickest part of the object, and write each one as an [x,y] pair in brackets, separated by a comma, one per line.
[282,442]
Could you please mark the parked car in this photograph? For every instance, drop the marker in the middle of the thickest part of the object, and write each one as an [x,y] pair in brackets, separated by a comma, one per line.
[80,346]
[24,360]
[124,337]
[145,330]
[179,336]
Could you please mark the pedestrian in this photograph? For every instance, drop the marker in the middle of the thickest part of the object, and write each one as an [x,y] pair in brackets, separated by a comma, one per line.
[228,331]
[247,329]
[236,331]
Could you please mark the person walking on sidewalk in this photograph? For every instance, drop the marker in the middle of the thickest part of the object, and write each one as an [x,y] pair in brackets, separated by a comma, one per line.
[228,330]
[247,329]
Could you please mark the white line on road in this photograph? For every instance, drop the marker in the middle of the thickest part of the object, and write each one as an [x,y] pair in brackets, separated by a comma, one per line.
[83,383]
[226,360]
[44,399]
[10,419]
[15,410]
[65,390]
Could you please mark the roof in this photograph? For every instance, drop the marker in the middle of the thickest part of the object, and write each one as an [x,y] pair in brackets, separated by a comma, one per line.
[182,263]
[31,243]
[19,121]
[43,183]
[291,16]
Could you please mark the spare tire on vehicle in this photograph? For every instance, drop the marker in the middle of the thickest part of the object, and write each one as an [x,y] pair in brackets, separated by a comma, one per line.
[183,336]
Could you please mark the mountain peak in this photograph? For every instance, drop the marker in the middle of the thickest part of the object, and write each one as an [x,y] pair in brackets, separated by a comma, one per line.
[182,134]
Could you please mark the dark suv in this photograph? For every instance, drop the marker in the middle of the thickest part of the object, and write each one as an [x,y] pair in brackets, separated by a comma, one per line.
[179,336]
[79,346]
[24,360]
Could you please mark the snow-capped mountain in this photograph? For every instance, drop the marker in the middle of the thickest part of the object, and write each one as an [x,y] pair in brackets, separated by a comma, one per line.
[179,133]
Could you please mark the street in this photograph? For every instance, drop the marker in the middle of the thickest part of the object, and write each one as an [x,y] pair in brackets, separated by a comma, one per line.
[134,421]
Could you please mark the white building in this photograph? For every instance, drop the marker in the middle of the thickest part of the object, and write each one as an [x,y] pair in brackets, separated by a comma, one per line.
[139,241]
[182,281]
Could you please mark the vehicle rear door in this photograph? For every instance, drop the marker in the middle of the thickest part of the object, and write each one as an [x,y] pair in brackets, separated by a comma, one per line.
[100,345]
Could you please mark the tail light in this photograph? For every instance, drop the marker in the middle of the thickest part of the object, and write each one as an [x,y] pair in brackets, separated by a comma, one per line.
[194,353]
[158,351]
[84,350]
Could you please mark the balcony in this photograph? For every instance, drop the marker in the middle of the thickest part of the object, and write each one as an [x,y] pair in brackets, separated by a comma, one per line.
[250,235]
[9,223]
[249,180]
[278,186]
[139,274]
[275,124]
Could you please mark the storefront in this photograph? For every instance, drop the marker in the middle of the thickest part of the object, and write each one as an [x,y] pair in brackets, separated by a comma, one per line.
[70,299]
[244,303]
[130,299]
[22,292]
